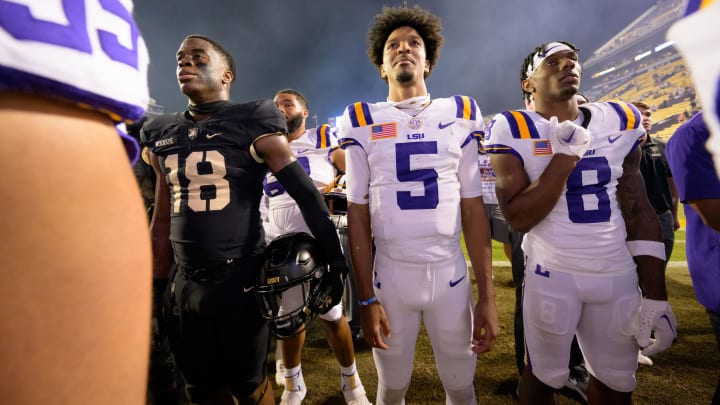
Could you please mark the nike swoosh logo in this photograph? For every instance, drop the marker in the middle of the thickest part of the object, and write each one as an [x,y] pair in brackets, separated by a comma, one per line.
[211,136]
[454,283]
[569,138]
[548,51]
[247,290]
[612,140]
[443,126]
[301,151]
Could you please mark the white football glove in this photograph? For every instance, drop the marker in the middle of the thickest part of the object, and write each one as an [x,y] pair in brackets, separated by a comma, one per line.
[656,316]
[568,138]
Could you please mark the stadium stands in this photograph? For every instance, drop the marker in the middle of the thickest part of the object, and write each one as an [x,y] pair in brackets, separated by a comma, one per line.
[638,64]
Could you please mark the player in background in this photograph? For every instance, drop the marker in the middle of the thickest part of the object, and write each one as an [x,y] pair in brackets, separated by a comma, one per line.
[659,187]
[699,189]
[76,255]
[413,184]
[317,151]
[569,178]
[499,231]
[210,163]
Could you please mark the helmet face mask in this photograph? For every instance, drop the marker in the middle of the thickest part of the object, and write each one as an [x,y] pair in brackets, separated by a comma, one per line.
[291,272]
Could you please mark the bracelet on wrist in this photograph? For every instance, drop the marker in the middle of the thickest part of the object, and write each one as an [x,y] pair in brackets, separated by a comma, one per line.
[368,301]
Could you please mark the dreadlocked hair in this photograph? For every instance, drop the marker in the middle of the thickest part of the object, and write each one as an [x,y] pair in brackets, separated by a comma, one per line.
[423,21]
[529,60]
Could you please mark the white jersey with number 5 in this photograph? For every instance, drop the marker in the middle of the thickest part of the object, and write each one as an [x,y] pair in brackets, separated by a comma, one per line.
[413,171]
[585,231]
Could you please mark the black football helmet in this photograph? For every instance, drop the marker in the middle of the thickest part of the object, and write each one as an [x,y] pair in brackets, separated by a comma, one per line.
[291,260]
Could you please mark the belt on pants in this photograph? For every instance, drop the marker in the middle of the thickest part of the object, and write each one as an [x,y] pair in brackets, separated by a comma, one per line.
[208,272]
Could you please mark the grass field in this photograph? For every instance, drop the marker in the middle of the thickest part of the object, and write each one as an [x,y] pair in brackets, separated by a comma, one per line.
[685,374]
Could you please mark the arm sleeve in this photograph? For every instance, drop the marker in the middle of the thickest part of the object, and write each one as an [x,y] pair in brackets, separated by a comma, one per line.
[316,215]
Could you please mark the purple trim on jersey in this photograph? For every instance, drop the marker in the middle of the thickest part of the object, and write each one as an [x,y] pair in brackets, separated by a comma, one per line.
[318,136]
[692,6]
[473,136]
[695,178]
[624,117]
[473,108]
[638,116]
[323,137]
[131,146]
[345,142]
[460,103]
[499,149]
[353,115]
[12,79]
[621,114]
[515,126]
[717,100]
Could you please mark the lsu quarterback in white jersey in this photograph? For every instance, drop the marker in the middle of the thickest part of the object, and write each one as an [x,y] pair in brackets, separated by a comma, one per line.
[413,170]
[413,185]
[419,169]
[587,216]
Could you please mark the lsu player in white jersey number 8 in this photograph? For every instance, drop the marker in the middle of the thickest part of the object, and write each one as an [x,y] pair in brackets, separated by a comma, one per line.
[569,178]
[413,184]
[75,247]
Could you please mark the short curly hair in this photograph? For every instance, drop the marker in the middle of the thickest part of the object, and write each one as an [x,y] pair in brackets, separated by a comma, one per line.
[423,21]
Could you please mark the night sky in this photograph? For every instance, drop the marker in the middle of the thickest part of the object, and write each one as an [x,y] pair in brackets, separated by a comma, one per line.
[319,47]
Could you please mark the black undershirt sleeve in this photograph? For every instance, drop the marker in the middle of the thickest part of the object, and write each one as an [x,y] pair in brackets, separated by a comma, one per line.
[297,183]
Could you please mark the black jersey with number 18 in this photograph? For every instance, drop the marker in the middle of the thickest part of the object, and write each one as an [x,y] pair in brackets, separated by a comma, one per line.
[215,183]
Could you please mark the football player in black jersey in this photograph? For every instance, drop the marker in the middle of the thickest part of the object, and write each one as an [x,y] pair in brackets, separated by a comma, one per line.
[211,161]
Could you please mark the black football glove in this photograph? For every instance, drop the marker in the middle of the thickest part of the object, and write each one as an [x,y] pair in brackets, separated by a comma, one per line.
[330,288]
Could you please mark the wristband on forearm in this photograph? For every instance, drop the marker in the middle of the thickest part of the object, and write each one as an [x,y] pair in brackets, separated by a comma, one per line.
[368,301]
[646,248]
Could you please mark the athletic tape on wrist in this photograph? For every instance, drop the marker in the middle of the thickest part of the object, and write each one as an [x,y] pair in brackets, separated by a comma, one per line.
[646,248]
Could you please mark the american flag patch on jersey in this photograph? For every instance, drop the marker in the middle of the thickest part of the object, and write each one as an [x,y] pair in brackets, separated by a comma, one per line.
[383,131]
[543,147]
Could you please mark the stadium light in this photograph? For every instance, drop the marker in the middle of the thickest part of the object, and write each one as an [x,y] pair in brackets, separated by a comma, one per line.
[642,55]
[604,72]
[664,45]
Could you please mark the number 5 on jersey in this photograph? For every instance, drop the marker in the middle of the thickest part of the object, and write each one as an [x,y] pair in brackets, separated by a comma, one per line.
[199,182]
